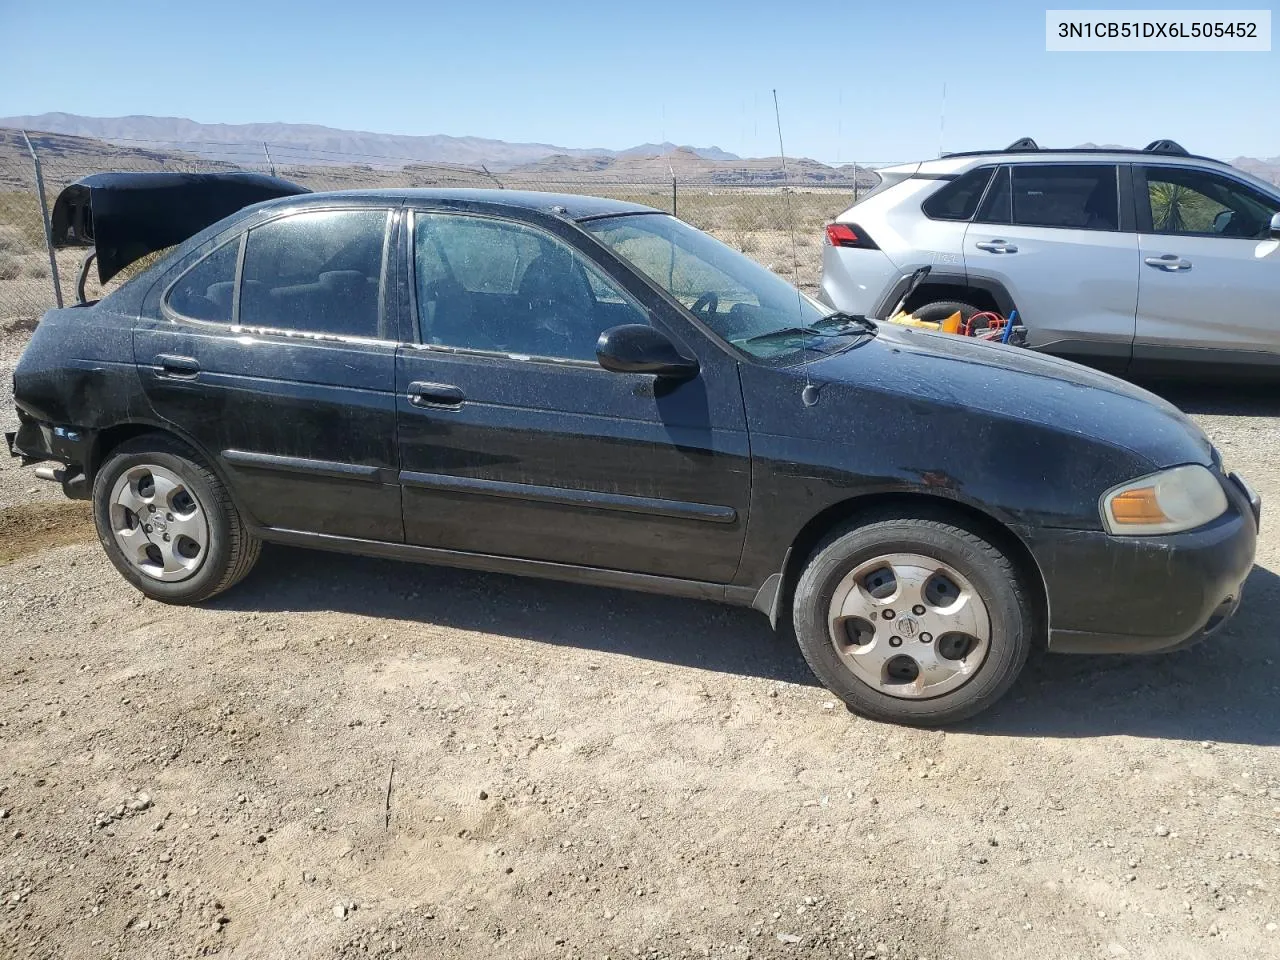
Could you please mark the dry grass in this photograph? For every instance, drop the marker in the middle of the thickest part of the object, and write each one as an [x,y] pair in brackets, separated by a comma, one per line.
[12,239]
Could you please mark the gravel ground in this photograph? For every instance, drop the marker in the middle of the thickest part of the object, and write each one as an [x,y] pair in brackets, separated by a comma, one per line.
[353,758]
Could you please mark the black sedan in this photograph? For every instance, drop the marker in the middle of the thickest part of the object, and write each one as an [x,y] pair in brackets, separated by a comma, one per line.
[592,390]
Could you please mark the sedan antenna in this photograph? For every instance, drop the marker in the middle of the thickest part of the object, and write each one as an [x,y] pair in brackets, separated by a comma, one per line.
[810,393]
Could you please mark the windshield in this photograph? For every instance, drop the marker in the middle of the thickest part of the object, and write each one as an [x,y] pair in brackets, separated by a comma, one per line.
[741,301]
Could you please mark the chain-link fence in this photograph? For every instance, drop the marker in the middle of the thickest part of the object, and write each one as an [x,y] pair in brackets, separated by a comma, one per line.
[755,209]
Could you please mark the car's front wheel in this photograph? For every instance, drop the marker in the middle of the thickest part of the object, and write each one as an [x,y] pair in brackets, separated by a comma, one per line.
[167,522]
[913,620]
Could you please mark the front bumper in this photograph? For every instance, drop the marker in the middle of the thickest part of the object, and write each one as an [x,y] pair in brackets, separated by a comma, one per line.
[1147,594]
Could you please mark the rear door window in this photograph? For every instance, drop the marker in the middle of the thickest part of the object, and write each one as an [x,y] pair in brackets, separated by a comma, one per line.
[997,205]
[1077,196]
[958,199]
[316,272]
[207,291]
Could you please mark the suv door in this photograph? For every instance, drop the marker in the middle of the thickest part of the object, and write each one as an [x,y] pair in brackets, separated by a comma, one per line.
[515,442]
[1210,276]
[274,354]
[1059,238]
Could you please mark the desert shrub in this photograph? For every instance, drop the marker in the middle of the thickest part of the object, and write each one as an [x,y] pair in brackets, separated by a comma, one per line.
[10,266]
[35,267]
[12,239]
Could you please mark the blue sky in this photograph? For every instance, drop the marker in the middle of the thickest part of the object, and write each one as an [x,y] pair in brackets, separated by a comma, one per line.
[856,80]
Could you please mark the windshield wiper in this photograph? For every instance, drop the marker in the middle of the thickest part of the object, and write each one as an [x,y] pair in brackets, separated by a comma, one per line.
[842,325]
[811,331]
[842,319]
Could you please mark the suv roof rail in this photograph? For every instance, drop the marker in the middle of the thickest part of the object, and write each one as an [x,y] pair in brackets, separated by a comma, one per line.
[1168,148]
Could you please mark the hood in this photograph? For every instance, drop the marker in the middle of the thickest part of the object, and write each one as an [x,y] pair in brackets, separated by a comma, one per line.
[125,216]
[1021,384]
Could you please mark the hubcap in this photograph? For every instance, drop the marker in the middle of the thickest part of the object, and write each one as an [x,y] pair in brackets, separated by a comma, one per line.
[158,523]
[909,626]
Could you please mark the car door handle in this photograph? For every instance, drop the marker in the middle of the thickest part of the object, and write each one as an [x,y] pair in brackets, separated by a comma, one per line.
[436,396]
[996,246]
[180,368]
[1170,263]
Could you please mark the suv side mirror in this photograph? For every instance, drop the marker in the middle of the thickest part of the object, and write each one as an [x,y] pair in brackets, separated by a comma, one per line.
[1275,226]
[637,348]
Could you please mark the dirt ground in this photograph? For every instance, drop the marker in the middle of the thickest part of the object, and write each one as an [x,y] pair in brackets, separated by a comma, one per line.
[353,758]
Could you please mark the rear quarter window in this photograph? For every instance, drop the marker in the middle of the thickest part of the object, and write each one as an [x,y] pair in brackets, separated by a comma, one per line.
[959,199]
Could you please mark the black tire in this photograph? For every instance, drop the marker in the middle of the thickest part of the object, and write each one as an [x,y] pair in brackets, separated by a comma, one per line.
[993,576]
[231,551]
[938,310]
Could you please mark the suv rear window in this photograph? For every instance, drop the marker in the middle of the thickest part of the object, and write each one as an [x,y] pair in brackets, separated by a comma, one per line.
[959,198]
[1077,196]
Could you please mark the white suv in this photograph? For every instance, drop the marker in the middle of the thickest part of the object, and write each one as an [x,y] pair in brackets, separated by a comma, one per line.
[1147,262]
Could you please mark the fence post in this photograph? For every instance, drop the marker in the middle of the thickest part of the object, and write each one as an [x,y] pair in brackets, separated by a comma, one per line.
[270,164]
[44,217]
[855,181]
[673,196]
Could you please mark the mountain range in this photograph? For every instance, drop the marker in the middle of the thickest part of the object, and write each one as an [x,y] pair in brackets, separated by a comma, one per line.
[300,144]
[305,142]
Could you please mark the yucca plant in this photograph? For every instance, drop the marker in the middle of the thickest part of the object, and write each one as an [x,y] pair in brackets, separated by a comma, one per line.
[1179,209]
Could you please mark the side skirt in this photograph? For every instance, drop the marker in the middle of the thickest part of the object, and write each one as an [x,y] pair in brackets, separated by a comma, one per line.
[596,576]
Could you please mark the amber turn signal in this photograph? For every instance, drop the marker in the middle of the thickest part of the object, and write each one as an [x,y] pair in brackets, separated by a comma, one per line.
[1137,506]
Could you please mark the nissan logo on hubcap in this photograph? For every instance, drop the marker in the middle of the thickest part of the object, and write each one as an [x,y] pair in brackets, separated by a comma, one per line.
[907,627]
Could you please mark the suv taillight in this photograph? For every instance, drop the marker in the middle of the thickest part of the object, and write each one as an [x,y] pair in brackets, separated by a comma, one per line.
[849,235]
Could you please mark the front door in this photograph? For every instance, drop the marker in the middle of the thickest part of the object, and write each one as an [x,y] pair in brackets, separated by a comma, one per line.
[286,374]
[1210,287]
[515,442]
[1054,237]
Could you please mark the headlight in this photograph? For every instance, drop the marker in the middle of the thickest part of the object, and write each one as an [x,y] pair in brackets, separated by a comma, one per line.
[1166,502]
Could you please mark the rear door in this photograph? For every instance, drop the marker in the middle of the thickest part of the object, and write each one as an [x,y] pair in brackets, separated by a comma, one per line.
[1210,277]
[1059,238]
[515,442]
[275,354]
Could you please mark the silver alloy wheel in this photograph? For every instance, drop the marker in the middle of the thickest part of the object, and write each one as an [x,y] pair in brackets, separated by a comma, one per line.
[909,626]
[158,523]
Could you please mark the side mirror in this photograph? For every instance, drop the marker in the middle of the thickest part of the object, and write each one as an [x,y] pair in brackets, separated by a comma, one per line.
[637,348]
[1275,226]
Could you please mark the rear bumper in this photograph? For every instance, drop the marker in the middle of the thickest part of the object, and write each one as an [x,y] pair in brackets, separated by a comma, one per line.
[855,280]
[37,442]
[1147,594]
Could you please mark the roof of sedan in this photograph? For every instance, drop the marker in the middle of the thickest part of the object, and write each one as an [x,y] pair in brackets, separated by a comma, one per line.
[572,205]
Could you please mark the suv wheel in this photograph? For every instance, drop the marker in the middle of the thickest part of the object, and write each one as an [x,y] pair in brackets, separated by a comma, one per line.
[167,522]
[912,621]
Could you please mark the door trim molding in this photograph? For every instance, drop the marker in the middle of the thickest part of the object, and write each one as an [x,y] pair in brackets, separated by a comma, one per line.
[315,468]
[675,509]
[516,566]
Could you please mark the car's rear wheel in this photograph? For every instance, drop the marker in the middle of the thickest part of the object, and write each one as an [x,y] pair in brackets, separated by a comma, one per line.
[913,620]
[167,522]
